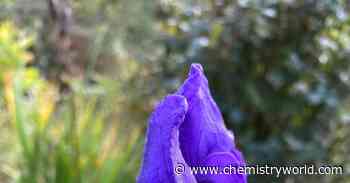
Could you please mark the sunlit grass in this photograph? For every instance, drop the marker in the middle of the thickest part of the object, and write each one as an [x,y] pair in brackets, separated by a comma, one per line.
[48,136]
[81,142]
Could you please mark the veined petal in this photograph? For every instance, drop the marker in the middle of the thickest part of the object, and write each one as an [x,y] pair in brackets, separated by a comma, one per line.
[162,150]
[203,132]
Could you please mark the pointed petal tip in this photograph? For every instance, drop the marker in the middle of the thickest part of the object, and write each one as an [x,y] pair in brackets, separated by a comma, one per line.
[196,68]
[195,81]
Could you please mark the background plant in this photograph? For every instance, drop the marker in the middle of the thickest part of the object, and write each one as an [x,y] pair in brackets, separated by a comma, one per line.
[75,144]
[74,104]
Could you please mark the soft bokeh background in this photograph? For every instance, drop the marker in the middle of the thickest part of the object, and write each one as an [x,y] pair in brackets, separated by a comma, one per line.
[78,79]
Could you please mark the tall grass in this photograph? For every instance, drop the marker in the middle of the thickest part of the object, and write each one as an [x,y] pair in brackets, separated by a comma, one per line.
[71,138]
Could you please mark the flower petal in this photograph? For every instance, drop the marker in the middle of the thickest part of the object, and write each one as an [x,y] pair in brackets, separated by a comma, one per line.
[162,151]
[203,131]
[228,169]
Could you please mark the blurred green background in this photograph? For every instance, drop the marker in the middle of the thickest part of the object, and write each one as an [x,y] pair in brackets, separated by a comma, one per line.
[78,79]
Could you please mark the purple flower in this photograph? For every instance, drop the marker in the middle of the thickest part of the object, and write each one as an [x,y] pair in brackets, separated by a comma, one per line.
[187,130]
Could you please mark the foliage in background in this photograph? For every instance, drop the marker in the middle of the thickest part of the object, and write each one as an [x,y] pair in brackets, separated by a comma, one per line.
[279,70]
[76,144]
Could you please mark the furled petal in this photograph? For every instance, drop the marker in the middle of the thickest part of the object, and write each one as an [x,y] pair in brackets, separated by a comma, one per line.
[228,165]
[203,132]
[162,151]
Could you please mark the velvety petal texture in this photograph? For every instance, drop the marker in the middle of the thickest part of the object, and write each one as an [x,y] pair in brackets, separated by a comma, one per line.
[187,128]
[162,151]
[203,132]
[222,160]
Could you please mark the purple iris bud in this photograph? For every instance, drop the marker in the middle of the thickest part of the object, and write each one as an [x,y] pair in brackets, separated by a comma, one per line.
[187,130]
